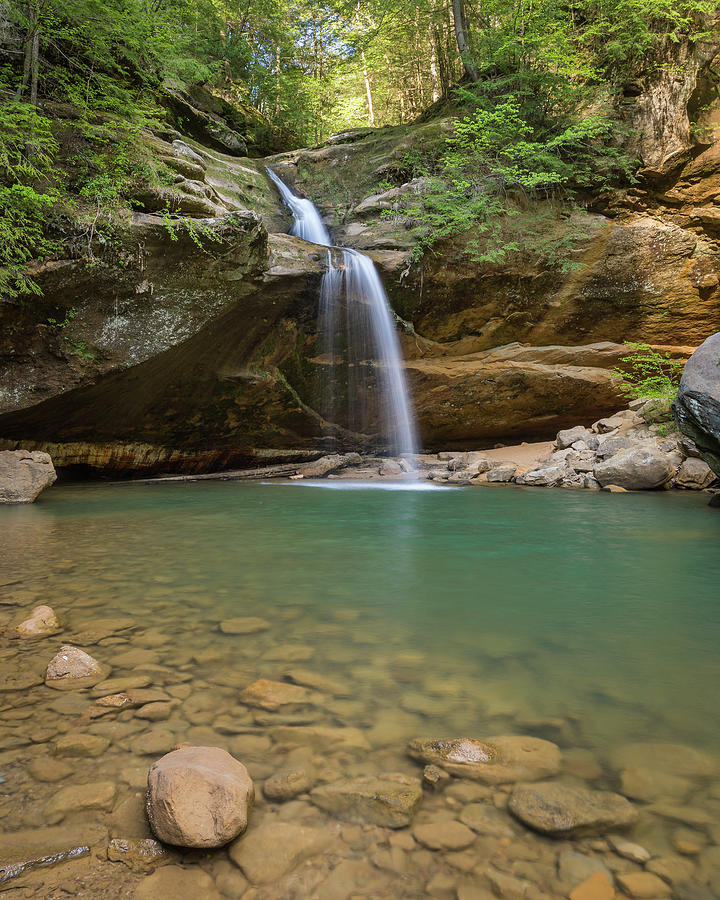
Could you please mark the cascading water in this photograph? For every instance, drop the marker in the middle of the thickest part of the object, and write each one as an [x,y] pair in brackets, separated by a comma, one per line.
[353,304]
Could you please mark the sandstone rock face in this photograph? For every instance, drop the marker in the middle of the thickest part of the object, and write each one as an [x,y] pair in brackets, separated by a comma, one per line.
[560,810]
[388,800]
[697,406]
[73,669]
[40,622]
[635,469]
[498,760]
[694,475]
[24,474]
[198,797]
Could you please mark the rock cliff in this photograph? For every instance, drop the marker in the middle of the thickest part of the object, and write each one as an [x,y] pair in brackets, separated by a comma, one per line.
[194,347]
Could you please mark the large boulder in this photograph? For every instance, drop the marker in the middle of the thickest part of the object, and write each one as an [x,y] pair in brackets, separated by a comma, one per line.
[498,760]
[561,810]
[697,406]
[24,474]
[198,797]
[636,469]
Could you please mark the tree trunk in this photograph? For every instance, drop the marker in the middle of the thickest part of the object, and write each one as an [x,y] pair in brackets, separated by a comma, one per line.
[368,92]
[32,55]
[460,23]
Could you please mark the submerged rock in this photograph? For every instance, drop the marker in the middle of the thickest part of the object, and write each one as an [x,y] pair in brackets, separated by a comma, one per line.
[41,621]
[78,797]
[72,669]
[244,625]
[272,849]
[198,797]
[389,800]
[271,695]
[178,882]
[288,783]
[136,853]
[561,810]
[498,760]
[24,474]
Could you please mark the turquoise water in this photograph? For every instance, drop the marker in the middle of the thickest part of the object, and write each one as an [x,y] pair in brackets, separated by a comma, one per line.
[603,609]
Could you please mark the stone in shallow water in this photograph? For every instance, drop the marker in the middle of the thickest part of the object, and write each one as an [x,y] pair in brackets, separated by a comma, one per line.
[574,868]
[288,783]
[390,800]
[23,851]
[271,695]
[498,760]
[199,797]
[49,770]
[317,682]
[272,849]
[176,882]
[24,474]
[643,884]
[244,625]
[41,621]
[640,783]
[485,819]
[673,759]
[73,669]
[322,738]
[597,887]
[289,653]
[75,744]
[444,835]
[136,853]
[95,795]
[561,810]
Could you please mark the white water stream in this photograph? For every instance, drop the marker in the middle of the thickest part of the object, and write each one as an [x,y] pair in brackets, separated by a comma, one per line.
[354,306]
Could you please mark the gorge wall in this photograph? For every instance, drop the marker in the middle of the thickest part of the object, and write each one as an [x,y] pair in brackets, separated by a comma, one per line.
[195,348]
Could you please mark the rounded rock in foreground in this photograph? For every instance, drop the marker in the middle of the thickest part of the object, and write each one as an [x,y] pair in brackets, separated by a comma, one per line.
[198,797]
[561,810]
[72,669]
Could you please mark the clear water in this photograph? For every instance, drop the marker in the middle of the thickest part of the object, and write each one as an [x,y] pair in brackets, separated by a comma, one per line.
[450,612]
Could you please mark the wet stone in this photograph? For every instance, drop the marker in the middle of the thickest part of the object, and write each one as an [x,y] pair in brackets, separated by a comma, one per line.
[389,800]
[78,744]
[41,622]
[289,653]
[244,625]
[597,886]
[574,867]
[443,835]
[73,669]
[267,852]
[120,685]
[272,695]
[47,769]
[176,882]
[316,682]
[643,884]
[486,819]
[561,810]
[498,760]
[136,853]
[95,795]
[288,783]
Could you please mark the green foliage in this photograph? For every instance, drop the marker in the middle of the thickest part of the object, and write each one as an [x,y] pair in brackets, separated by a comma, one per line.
[195,229]
[27,194]
[651,374]
[496,156]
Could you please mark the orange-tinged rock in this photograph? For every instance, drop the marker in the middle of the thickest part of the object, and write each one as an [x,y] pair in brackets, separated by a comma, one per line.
[643,884]
[597,887]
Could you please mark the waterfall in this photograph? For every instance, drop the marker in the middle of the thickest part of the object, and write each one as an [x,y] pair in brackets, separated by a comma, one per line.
[354,307]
